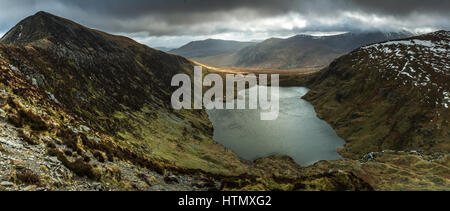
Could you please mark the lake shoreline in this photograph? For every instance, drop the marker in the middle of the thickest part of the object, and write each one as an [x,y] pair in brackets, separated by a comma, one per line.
[251,139]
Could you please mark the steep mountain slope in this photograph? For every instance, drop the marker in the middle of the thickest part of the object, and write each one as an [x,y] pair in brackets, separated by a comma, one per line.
[210,47]
[117,87]
[301,51]
[389,96]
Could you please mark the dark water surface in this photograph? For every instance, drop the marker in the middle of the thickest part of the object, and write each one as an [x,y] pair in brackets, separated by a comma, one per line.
[297,132]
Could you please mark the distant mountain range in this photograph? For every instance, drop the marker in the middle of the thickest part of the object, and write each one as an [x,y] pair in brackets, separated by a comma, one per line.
[164,49]
[301,51]
[210,47]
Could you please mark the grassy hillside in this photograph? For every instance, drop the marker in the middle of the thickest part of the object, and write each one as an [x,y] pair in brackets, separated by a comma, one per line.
[388,96]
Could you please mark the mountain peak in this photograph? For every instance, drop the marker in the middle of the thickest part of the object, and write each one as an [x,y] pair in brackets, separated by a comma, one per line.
[442,34]
[43,13]
[40,26]
[45,29]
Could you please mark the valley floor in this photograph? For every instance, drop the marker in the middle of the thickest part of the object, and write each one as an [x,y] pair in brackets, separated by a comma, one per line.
[281,72]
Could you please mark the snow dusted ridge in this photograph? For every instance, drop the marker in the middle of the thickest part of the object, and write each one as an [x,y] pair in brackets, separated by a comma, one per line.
[421,62]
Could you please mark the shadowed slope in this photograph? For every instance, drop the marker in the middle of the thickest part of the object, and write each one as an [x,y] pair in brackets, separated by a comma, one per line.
[117,87]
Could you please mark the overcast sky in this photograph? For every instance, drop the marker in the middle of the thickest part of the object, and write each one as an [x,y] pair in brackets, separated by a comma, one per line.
[172,23]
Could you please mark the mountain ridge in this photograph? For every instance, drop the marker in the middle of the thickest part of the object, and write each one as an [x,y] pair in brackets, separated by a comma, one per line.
[391,95]
[299,51]
[117,86]
[306,51]
[209,47]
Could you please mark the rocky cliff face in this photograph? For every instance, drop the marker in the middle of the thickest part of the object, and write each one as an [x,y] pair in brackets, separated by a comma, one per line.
[389,96]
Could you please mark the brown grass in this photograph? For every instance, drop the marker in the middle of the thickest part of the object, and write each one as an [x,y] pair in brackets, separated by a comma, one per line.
[257,71]
[27,176]
[79,166]
[27,138]
[2,149]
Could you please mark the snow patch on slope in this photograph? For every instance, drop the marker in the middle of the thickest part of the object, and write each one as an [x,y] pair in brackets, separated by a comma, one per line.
[423,63]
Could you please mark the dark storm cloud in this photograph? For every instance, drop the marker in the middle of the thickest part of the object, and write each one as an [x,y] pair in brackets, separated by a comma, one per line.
[132,8]
[236,18]
[404,7]
[172,17]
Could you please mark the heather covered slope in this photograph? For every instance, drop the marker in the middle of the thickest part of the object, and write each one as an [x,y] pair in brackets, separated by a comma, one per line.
[389,96]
